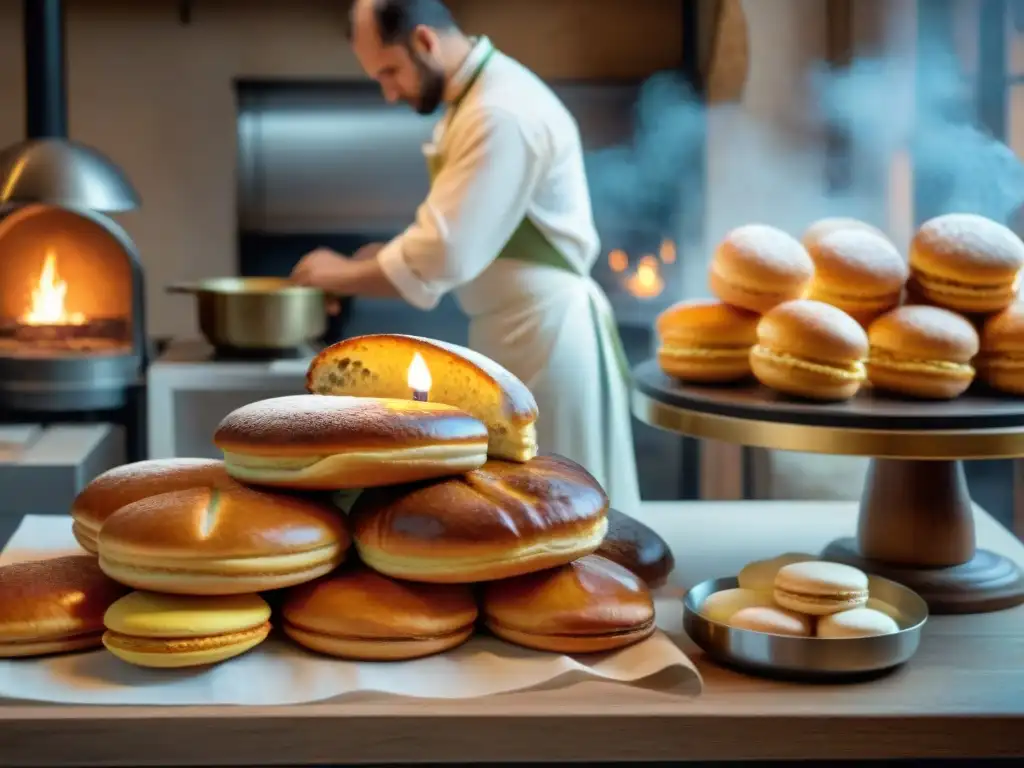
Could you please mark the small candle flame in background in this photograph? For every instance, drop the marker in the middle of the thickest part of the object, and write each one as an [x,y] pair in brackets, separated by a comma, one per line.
[646,280]
[47,305]
[418,378]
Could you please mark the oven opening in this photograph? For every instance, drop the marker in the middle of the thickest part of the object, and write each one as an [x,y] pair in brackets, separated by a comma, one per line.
[65,286]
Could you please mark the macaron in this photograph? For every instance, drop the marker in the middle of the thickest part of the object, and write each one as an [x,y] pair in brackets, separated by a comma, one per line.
[121,486]
[706,341]
[772,621]
[857,622]
[166,631]
[356,613]
[222,541]
[587,606]
[720,606]
[329,443]
[757,267]
[824,227]
[759,575]
[923,352]
[811,350]
[1000,363]
[820,588]
[54,605]
[859,272]
[966,263]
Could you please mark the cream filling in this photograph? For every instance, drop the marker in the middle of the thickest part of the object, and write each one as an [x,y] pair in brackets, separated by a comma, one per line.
[427,565]
[850,372]
[823,600]
[371,639]
[723,353]
[267,468]
[128,559]
[759,290]
[1007,362]
[913,365]
[955,288]
[861,302]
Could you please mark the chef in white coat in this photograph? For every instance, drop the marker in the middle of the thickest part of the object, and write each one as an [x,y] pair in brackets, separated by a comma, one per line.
[507,226]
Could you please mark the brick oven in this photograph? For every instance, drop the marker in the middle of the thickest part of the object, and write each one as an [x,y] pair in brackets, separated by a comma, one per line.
[72,332]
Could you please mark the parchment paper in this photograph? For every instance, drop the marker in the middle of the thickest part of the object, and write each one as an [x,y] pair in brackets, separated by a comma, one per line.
[279,672]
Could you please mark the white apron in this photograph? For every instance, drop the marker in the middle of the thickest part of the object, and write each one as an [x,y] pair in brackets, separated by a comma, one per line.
[553,327]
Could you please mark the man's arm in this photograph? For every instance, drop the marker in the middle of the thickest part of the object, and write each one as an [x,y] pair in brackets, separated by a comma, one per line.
[475,204]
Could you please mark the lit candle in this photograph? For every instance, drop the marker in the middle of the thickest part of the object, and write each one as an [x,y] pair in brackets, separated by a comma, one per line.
[418,378]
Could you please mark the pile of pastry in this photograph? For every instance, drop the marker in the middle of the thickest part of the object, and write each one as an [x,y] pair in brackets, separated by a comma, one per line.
[820,318]
[453,520]
[796,595]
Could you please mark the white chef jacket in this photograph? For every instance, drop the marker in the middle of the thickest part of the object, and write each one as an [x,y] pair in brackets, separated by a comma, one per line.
[514,151]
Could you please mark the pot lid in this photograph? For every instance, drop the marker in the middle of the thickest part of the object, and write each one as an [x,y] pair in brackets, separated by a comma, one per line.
[63,173]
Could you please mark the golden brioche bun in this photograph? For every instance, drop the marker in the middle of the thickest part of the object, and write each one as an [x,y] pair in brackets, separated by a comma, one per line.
[966,263]
[858,272]
[706,340]
[312,442]
[757,267]
[637,548]
[123,485]
[810,349]
[922,351]
[1000,363]
[586,606]
[357,613]
[221,542]
[54,606]
[377,365]
[825,227]
[504,519]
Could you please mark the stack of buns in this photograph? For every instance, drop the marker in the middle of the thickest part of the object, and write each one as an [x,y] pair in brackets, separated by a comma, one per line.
[188,556]
[821,317]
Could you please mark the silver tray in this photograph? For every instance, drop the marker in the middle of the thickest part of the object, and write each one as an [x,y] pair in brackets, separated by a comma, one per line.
[808,657]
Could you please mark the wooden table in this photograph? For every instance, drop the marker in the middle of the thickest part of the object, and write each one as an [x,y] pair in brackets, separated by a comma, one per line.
[961,696]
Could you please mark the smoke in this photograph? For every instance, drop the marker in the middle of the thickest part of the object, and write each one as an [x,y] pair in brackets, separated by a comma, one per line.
[771,171]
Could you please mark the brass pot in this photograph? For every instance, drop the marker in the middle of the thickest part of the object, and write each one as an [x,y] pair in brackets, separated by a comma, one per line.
[257,313]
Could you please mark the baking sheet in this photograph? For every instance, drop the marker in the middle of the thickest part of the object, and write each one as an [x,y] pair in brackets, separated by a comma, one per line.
[279,672]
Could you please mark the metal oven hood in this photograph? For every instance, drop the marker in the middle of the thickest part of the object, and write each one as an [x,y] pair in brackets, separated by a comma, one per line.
[47,168]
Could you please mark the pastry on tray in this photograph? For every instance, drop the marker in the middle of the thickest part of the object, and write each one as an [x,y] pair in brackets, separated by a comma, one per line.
[504,519]
[811,350]
[54,605]
[377,365]
[922,351]
[310,442]
[757,267]
[166,631]
[706,341]
[1000,363]
[221,541]
[122,485]
[637,548]
[856,622]
[721,606]
[966,263]
[772,620]
[356,613]
[586,606]
[819,588]
[859,272]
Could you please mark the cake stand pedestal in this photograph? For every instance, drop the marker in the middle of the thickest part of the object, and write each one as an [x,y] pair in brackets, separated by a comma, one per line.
[916,522]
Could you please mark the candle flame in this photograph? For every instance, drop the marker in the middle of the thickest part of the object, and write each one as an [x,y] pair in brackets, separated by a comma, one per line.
[418,377]
[618,260]
[47,306]
[667,252]
[646,282]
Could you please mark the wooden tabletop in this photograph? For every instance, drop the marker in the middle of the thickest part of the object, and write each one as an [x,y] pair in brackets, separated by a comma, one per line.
[962,695]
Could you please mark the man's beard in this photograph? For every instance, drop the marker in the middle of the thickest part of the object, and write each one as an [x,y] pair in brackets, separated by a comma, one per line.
[432,84]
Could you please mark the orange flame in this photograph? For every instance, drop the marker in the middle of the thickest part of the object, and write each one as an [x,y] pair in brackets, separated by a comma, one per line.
[47,306]
[646,282]
[618,260]
[667,252]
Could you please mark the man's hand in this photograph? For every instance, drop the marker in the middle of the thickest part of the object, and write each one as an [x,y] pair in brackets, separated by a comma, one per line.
[324,269]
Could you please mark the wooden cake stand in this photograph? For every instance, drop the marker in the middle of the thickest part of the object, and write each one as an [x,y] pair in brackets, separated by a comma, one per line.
[916,522]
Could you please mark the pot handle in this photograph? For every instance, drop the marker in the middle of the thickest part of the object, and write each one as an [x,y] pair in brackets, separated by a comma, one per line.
[182,288]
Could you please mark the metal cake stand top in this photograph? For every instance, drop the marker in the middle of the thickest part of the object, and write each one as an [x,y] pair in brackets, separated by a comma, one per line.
[977,425]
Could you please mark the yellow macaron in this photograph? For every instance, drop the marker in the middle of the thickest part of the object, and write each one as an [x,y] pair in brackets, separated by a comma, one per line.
[155,630]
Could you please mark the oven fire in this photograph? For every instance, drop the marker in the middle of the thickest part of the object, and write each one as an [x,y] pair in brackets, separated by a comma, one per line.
[48,305]
[646,281]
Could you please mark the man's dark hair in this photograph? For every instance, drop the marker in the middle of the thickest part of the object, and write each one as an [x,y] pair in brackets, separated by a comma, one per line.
[396,19]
